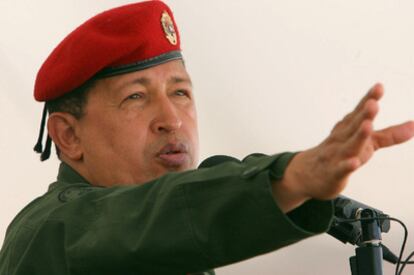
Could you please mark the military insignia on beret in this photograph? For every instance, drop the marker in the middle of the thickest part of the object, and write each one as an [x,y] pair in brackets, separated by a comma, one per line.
[168,27]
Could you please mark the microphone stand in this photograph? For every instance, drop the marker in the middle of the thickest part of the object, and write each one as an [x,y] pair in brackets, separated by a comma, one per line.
[368,258]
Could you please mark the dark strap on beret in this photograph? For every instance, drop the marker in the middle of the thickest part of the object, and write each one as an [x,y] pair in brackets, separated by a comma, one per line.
[38,147]
[141,65]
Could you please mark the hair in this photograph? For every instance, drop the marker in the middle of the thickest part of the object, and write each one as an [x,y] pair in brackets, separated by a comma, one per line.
[73,102]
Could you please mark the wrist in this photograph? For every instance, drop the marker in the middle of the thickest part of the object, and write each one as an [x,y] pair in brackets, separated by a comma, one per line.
[288,191]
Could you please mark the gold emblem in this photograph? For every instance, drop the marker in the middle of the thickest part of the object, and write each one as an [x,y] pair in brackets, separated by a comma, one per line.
[168,27]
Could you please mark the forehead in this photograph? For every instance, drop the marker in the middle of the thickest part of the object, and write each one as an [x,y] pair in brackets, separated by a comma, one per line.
[168,73]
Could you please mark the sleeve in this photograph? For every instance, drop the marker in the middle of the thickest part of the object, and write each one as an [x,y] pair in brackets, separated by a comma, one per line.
[179,223]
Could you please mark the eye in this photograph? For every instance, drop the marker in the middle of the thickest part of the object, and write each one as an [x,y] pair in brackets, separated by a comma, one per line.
[135,96]
[182,93]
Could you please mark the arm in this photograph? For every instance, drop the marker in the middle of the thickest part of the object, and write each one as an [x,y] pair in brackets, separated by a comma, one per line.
[182,222]
[322,172]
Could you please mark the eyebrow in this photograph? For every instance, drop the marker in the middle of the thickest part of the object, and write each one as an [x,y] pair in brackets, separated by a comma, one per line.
[139,80]
[176,79]
[146,81]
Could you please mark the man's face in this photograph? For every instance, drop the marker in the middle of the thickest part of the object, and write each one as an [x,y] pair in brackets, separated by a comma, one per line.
[139,126]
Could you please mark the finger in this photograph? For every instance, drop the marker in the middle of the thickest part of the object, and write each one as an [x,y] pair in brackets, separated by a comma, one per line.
[342,172]
[365,109]
[347,129]
[368,112]
[354,146]
[376,92]
[393,135]
[347,166]
[356,151]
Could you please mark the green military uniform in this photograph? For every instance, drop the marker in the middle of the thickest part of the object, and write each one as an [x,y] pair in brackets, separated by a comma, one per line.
[178,224]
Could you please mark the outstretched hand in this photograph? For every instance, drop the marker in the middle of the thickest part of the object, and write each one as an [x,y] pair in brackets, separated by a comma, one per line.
[322,172]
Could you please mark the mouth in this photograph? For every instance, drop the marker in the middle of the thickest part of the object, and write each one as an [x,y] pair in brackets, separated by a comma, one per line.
[173,155]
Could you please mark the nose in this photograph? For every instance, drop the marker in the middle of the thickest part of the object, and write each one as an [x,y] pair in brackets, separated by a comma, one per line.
[166,119]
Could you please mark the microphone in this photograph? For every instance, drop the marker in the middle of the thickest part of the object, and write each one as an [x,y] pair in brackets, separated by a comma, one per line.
[347,209]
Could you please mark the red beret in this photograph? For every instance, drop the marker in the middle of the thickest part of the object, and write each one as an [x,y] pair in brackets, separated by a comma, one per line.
[120,40]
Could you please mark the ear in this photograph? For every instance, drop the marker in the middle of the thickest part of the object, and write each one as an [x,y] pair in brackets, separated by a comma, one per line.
[62,128]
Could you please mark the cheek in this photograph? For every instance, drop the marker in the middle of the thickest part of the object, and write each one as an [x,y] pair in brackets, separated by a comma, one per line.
[192,117]
[102,132]
[117,144]
[131,139]
[98,136]
[192,131]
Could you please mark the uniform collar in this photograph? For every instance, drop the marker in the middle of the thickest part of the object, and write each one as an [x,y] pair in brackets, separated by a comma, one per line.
[67,175]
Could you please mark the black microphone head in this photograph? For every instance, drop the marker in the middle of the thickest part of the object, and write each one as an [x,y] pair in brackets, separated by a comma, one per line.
[349,209]
[216,160]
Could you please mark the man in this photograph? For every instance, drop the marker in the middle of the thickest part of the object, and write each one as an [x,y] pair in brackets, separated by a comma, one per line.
[128,199]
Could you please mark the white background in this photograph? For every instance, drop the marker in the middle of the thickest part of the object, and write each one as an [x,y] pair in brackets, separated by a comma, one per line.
[269,76]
